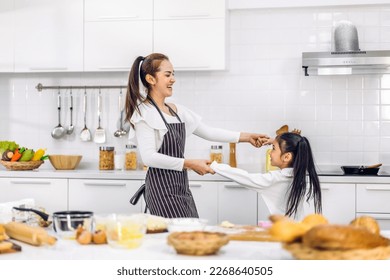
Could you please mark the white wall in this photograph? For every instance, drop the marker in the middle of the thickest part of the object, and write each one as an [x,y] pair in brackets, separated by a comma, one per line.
[346,118]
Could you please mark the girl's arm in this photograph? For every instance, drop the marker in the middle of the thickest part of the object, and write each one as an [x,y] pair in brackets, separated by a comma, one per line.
[251,180]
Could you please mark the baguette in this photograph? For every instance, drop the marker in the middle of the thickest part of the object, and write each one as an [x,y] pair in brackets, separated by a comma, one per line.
[340,237]
[32,235]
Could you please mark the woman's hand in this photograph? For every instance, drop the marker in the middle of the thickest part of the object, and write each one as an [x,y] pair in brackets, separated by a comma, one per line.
[257,140]
[200,166]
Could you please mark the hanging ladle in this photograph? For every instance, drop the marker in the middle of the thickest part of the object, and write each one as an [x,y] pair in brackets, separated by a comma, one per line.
[85,132]
[120,132]
[59,131]
[71,127]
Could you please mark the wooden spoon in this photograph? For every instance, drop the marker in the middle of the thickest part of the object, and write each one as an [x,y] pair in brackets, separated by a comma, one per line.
[375,165]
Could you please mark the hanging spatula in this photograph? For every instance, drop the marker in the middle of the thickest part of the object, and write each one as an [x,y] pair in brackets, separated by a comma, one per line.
[100,134]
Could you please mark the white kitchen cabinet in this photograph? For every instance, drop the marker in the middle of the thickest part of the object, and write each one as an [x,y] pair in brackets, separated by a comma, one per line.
[237,204]
[206,199]
[193,34]
[116,32]
[48,35]
[103,196]
[51,194]
[338,203]
[373,200]
[7,29]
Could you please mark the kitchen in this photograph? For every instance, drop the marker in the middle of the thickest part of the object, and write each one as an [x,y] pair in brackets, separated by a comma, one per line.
[259,86]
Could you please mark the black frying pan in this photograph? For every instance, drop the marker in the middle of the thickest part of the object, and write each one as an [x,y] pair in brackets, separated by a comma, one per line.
[361,170]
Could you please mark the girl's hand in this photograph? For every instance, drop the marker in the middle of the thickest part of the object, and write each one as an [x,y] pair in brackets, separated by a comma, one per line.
[200,166]
[257,140]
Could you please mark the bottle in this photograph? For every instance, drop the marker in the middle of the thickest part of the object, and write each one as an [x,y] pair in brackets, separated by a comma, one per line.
[216,153]
[268,166]
[232,155]
[106,158]
[131,157]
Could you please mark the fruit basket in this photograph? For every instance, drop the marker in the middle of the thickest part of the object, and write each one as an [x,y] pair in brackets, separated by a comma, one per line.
[21,165]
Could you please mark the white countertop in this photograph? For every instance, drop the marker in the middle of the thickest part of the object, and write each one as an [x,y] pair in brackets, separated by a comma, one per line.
[154,247]
[326,177]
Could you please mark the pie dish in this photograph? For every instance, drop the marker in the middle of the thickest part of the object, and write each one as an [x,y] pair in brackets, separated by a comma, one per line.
[197,243]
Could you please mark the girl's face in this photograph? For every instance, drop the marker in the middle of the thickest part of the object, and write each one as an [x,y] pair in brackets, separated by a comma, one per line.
[277,158]
[164,80]
[276,154]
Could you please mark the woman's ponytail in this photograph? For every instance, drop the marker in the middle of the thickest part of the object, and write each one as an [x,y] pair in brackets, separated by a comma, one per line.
[133,95]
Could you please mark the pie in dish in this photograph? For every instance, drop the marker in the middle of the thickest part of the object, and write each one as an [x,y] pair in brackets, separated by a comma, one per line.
[197,243]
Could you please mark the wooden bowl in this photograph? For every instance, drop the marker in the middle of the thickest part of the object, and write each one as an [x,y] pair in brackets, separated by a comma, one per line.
[65,162]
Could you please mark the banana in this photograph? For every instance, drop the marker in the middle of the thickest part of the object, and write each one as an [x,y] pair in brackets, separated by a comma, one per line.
[28,234]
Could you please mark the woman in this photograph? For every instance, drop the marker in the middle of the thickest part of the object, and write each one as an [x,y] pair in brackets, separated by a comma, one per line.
[161,130]
[283,190]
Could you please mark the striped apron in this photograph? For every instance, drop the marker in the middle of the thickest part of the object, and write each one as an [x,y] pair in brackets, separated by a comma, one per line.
[167,192]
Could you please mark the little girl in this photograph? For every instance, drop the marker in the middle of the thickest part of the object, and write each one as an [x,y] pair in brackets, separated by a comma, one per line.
[283,190]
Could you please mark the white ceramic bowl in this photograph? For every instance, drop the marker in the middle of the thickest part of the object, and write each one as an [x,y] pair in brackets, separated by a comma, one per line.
[186,224]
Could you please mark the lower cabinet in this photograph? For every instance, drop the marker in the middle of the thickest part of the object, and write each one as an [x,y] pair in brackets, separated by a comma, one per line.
[237,204]
[103,196]
[338,203]
[373,200]
[225,201]
[50,194]
[206,199]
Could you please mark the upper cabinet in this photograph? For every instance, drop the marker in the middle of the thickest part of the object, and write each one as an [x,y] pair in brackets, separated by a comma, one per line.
[48,35]
[100,35]
[116,32]
[192,33]
[7,36]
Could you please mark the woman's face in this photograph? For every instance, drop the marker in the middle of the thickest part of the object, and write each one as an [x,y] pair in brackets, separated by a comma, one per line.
[164,80]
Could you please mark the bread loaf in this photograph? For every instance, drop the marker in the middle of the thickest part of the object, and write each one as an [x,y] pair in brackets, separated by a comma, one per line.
[340,237]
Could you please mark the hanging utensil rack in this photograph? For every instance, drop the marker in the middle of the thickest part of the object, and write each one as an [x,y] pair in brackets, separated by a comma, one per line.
[41,87]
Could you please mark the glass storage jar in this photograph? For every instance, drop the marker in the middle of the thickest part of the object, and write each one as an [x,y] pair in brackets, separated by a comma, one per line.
[216,153]
[106,158]
[131,157]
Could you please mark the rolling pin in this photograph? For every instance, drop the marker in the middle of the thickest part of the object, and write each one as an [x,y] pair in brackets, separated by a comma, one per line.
[32,235]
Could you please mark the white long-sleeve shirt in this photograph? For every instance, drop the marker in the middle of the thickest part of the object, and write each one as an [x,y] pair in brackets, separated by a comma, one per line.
[272,186]
[149,131]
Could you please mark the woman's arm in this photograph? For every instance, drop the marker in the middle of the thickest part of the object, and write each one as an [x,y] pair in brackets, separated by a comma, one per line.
[223,135]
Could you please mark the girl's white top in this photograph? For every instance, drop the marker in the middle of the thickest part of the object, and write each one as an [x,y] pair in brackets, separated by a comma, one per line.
[272,186]
[149,130]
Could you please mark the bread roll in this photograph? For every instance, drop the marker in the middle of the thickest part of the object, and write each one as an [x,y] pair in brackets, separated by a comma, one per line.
[313,220]
[337,237]
[287,230]
[367,222]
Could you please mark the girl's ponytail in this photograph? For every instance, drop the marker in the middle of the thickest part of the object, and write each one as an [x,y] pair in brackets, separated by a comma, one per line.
[303,164]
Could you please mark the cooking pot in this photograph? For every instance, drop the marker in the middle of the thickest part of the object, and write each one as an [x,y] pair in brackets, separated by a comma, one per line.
[66,222]
[361,170]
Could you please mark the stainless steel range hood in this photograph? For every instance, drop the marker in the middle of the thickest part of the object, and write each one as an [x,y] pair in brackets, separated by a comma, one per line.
[347,59]
[346,63]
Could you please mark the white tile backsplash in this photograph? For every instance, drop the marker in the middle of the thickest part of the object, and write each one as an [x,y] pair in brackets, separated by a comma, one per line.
[346,118]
